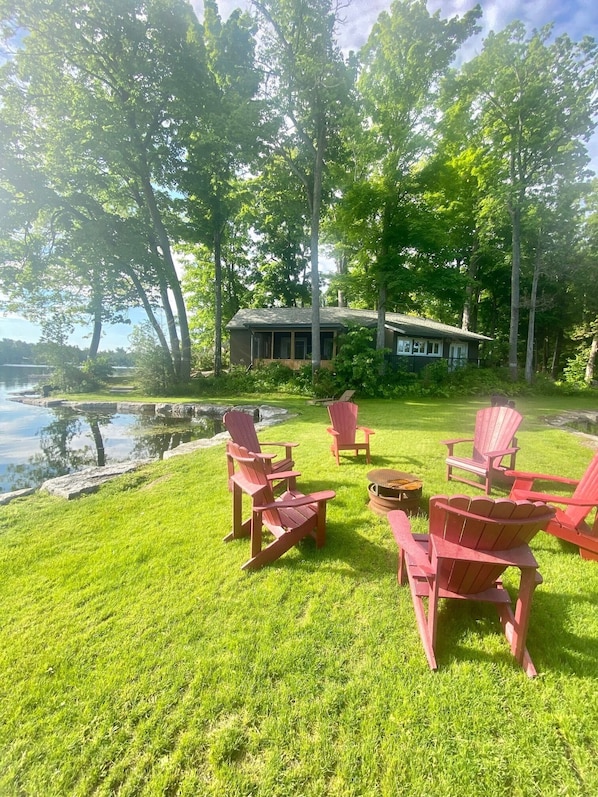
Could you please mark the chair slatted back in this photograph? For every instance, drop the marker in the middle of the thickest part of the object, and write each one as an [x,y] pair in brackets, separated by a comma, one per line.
[252,479]
[587,489]
[495,427]
[343,417]
[241,428]
[482,524]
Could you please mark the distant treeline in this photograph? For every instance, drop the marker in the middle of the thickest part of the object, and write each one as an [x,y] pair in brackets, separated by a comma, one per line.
[19,352]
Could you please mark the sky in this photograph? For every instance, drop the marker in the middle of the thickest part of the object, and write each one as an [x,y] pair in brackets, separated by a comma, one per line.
[577,18]
[116,336]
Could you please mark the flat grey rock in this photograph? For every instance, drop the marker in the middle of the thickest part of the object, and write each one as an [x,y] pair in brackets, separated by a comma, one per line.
[6,498]
[89,480]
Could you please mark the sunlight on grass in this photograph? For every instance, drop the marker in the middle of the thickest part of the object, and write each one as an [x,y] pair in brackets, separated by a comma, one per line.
[137,658]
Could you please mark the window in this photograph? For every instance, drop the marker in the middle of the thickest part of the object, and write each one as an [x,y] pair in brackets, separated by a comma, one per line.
[302,345]
[282,346]
[262,342]
[326,345]
[422,347]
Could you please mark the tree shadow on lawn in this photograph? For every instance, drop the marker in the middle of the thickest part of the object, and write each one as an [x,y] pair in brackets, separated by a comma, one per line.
[358,544]
[346,552]
[558,648]
[552,645]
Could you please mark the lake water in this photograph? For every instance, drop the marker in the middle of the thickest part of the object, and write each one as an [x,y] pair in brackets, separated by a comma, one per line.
[39,443]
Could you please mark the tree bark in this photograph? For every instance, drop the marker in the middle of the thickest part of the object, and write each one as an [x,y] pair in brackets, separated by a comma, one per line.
[316,203]
[217,301]
[381,315]
[96,336]
[589,375]
[152,319]
[556,354]
[515,277]
[469,320]
[341,269]
[529,351]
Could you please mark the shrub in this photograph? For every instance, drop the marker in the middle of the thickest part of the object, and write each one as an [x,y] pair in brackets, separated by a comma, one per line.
[153,374]
[323,384]
[90,376]
[574,372]
[358,364]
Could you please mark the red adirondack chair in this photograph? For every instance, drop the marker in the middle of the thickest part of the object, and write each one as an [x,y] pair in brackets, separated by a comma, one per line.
[241,428]
[471,543]
[494,439]
[289,518]
[570,523]
[343,416]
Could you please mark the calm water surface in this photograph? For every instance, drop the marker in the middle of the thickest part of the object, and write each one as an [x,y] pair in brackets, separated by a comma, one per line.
[37,443]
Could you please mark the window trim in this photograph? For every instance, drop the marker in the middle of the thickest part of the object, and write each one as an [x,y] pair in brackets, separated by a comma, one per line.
[409,344]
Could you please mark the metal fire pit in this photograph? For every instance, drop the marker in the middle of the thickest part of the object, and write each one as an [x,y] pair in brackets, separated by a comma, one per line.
[394,489]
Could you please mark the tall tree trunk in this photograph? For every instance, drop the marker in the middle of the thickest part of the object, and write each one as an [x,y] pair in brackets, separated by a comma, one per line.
[382,295]
[217,300]
[170,275]
[469,320]
[341,269]
[589,375]
[175,349]
[96,336]
[173,283]
[316,203]
[529,351]
[515,276]
[152,318]
[556,354]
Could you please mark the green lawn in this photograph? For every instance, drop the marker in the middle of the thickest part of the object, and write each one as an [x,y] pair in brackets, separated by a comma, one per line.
[138,659]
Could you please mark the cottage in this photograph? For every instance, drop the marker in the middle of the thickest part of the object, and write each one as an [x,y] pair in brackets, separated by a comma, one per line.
[283,334]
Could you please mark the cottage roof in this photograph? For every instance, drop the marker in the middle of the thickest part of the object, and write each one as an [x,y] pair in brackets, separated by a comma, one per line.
[341,317]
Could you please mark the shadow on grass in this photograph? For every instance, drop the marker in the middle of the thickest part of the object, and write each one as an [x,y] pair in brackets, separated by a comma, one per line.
[558,647]
[552,645]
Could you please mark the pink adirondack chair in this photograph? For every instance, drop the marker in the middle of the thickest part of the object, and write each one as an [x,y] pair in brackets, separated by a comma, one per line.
[241,428]
[471,543]
[494,439]
[289,518]
[570,523]
[343,416]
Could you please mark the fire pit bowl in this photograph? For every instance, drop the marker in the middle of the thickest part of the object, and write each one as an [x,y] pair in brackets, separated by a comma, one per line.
[394,489]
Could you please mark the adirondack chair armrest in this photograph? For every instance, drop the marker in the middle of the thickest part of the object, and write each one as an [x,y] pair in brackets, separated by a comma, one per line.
[516,557]
[264,456]
[530,495]
[300,500]
[520,475]
[366,430]
[450,444]
[249,488]
[332,431]
[498,454]
[286,445]
[401,530]
[282,474]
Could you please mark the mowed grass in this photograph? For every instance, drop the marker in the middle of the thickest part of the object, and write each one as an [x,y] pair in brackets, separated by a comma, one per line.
[138,659]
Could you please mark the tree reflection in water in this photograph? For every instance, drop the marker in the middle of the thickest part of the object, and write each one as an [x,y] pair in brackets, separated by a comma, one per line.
[77,440]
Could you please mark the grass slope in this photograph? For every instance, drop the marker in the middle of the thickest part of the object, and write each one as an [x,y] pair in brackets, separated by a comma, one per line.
[136,658]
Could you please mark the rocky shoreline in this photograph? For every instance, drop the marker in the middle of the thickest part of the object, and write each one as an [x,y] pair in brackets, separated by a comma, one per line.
[90,479]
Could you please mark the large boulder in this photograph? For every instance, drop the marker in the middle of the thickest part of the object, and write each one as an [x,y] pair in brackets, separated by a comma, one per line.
[89,480]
